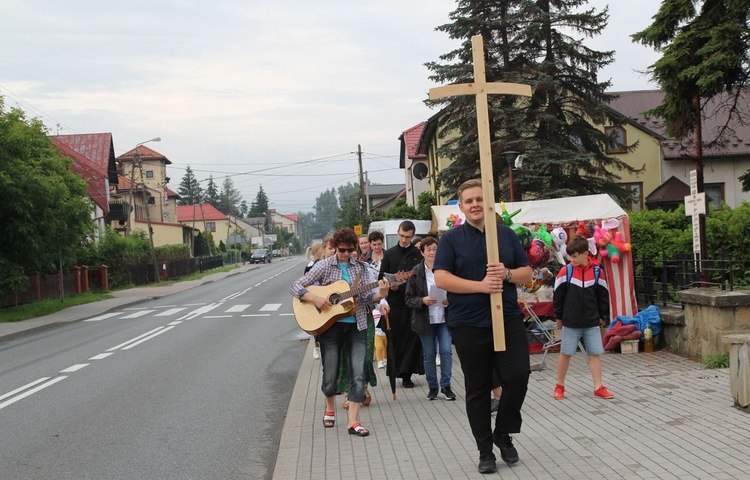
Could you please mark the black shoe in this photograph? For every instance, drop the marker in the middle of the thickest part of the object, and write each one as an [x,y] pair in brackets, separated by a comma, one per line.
[448,393]
[433,394]
[487,463]
[495,403]
[407,383]
[508,452]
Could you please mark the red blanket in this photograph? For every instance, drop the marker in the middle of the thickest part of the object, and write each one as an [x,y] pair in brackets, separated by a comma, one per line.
[619,332]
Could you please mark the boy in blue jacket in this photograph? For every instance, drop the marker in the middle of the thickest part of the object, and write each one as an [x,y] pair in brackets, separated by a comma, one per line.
[581,301]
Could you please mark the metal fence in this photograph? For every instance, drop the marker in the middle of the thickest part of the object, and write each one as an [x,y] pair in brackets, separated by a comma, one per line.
[657,281]
[210,262]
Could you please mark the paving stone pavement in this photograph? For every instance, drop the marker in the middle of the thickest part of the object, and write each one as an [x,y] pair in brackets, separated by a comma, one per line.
[670,419]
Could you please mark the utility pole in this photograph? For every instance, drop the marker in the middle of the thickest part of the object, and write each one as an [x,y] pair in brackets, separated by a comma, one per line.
[132,182]
[361,203]
[148,218]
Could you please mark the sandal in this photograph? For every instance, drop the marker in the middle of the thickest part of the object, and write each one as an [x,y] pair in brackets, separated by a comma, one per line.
[329,419]
[358,430]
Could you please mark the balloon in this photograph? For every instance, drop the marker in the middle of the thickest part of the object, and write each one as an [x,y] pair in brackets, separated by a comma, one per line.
[559,242]
[523,234]
[539,254]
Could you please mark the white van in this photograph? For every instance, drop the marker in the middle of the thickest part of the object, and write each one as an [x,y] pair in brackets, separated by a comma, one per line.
[389,228]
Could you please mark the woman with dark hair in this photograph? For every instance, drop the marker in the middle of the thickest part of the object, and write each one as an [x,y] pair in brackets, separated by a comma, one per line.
[349,333]
[428,320]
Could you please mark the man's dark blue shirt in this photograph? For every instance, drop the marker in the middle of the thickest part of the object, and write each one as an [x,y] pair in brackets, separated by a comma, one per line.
[462,251]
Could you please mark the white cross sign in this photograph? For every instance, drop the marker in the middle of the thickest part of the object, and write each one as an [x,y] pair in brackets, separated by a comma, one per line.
[695,206]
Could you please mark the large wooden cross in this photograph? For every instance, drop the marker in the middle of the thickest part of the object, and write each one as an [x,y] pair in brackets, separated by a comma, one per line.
[480,89]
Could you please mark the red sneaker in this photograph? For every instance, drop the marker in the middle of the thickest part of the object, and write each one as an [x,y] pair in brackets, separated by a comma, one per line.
[602,392]
[559,392]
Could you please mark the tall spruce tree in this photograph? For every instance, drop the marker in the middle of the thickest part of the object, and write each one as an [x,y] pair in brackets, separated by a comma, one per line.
[531,42]
[259,208]
[190,189]
[212,193]
[229,198]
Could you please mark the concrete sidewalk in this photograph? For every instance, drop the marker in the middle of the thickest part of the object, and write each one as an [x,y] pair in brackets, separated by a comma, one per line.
[122,298]
[670,419]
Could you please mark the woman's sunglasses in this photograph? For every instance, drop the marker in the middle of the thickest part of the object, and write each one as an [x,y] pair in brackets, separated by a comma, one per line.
[346,250]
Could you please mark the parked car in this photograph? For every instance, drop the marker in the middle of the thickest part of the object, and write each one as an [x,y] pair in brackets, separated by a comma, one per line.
[276,253]
[261,255]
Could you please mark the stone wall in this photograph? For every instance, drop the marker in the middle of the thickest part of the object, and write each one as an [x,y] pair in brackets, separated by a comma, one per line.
[708,315]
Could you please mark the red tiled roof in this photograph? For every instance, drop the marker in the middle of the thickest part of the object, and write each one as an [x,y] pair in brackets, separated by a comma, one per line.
[409,141]
[94,160]
[188,213]
[633,104]
[144,153]
[293,216]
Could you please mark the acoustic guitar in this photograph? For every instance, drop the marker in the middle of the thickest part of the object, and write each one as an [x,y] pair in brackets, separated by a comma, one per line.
[341,295]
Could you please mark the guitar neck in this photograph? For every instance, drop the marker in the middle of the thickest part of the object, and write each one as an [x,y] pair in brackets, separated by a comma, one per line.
[358,290]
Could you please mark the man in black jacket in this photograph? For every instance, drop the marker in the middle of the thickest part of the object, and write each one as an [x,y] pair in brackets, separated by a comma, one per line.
[406,344]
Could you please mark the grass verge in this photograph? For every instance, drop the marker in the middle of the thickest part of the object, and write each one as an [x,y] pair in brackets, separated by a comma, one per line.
[45,307]
[716,360]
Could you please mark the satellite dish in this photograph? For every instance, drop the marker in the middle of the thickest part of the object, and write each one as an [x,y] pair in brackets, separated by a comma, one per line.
[419,170]
[519,161]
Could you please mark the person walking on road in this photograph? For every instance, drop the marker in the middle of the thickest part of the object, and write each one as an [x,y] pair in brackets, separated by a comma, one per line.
[428,321]
[461,268]
[348,333]
[407,347]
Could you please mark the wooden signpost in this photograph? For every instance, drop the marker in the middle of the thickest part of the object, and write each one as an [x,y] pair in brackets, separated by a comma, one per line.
[480,89]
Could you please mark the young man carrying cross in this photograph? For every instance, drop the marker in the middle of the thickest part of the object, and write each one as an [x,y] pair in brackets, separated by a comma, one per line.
[461,268]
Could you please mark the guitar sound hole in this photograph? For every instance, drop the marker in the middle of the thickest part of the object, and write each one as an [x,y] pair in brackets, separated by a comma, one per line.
[335,299]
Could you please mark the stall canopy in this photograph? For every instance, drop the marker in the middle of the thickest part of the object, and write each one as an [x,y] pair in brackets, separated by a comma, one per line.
[567,212]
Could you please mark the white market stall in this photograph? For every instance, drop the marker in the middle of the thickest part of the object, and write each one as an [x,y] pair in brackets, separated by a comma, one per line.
[567,212]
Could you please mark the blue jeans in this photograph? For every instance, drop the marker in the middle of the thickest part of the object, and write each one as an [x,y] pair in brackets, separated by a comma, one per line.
[437,333]
[344,336]
[592,340]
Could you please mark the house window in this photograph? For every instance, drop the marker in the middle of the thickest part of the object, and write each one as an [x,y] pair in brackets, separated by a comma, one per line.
[635,200]
[714,194]
[149,174]
[210,226]
[617,140]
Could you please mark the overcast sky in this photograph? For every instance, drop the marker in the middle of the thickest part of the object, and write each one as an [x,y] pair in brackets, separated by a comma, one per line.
[285,89]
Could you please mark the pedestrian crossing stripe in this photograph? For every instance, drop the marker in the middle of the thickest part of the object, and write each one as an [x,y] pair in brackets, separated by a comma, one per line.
[169,312]
[270,307]
[139,313]
[237,308]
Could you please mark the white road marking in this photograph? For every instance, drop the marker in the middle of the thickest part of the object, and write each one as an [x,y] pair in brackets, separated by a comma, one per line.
[199,311]
[169,312]
[101,356]
[258,315]
[25,387]
[286,314]
[257,284]
[102,317]
[75,368]
[270,307]
[135,339]
[138,314]
[147,338]
[31,392]
[193,304]
[218,316]
[177,322]
[237,308]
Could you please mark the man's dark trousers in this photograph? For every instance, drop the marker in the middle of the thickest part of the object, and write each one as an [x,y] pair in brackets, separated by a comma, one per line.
[476,352]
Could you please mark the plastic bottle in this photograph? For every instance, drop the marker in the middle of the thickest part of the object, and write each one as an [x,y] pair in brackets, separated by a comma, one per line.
[648,339]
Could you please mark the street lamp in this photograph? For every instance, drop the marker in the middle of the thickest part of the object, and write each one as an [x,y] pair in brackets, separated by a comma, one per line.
[511,157]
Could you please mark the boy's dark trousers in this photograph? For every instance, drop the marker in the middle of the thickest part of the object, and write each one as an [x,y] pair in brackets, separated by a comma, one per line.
[475,349]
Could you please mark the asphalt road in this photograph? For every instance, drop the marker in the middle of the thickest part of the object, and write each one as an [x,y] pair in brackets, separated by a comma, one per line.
[191,386]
